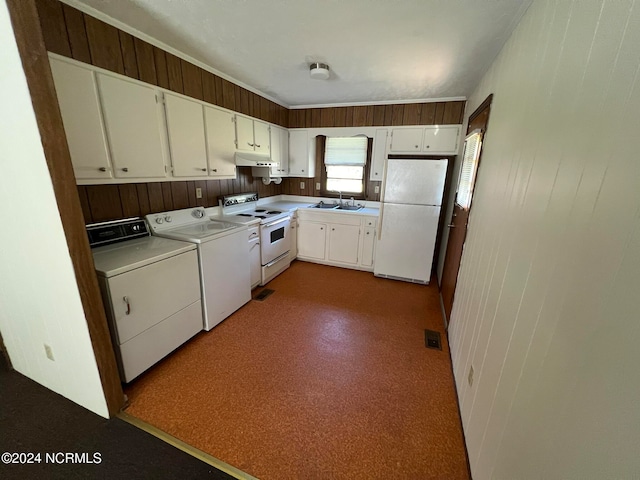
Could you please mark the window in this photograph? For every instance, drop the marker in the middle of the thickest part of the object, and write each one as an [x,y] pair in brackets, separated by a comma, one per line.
[472,145]
[345,159]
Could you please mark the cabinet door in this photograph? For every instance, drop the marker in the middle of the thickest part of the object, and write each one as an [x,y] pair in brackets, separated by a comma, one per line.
[293,252]
[82,118]
[134,123]
[254,261]
[378,155]
[299,158]
[284,146]
[221,146]
[343,243]
[406,140]
[187,145]
[311,239]
[276,152]
[367,247]
[244,133]
[441,139]
[261,134]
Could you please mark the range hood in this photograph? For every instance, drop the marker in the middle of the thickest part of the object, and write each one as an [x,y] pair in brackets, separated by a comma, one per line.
[249,159]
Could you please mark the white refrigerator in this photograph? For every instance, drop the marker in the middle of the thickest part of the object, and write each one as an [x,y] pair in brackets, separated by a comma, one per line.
[409,215]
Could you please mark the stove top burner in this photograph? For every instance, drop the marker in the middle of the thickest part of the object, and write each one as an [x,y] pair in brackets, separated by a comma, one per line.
[273,212]
[245,215]
[260,216]
[260,210]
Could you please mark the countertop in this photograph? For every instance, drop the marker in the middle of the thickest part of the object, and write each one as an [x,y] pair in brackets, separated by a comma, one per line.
[292,205]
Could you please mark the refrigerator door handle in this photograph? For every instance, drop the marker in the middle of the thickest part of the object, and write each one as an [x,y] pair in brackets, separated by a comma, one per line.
[380,221]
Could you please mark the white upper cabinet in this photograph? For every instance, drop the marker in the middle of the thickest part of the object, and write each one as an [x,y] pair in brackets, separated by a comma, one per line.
[221,147]
[82,118]
[441,139]
[187,144]
[378,154]
[252,135]
[279,151]
[436,139]
[302,154]
[406,140]
[134,123]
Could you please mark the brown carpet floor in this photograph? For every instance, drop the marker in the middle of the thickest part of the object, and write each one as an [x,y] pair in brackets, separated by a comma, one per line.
[327,378]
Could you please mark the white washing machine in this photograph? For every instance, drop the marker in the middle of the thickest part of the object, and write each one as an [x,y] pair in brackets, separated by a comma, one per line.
[223,258]
[151,291]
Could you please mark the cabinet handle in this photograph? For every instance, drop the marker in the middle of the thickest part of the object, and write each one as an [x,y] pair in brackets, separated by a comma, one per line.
[126,300]
[103,169]
[125,169]
[321,228]
[257,146]
[302,170]
[333,229]
[416,147]
[367,233]
[203,169]
[250,144]
[214,169]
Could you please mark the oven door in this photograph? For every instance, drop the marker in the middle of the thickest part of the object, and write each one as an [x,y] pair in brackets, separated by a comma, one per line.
[274,239]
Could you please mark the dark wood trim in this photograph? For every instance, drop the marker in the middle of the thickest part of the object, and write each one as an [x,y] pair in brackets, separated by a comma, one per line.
[487,102]
[323,171]
[26,26]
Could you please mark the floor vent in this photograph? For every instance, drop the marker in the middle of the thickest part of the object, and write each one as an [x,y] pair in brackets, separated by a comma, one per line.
[263,294]
[432,339]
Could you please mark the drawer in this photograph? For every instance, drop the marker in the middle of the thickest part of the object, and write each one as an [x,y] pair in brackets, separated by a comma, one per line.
[153,292]
[370,222]
[152,345]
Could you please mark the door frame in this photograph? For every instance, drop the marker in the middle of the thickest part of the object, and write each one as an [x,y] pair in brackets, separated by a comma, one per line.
[485,105]
[35,62]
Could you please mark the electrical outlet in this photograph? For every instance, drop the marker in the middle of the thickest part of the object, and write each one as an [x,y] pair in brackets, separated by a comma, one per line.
[376,189]
[470,377]
[318,186]
[198,192]
[301,185]
[49,352]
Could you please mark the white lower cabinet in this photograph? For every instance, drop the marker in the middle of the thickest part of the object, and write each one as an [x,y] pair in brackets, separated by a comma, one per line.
[293,252]
[343,240]
[311,240]
[254,255]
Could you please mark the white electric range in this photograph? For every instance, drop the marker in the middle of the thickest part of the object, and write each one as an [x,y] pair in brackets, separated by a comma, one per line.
[274,227]
[222,258]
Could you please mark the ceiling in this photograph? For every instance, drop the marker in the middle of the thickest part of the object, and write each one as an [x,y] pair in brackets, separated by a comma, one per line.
[378,50]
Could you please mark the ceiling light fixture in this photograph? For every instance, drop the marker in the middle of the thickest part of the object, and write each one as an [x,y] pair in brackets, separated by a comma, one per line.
[319,71]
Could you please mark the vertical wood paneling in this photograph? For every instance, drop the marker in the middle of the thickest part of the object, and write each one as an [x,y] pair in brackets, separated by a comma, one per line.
[411,115]
[84,204]
[327,117]
[156,198]
[143,199]
[53,27]
[378,115]
[397,115]
[228,95]
[428,114]
[129,200]
[359,116]
[129,59]
[145,61]
[77,34]
[208,87]
[167,197]
[453,113]
[388,115]
[104,45]
[162,72]
[192,80]
[439,118]
[218,89]
[104,201]
[174,72]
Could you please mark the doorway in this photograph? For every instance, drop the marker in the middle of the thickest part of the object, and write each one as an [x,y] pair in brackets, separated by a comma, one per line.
[476,131]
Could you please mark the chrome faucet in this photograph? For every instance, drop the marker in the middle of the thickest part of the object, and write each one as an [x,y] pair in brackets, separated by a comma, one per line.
[340,193]
[353,201]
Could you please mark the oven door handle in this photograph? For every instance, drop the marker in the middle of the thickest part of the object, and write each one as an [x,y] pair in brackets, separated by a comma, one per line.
[267,225]
[273,262]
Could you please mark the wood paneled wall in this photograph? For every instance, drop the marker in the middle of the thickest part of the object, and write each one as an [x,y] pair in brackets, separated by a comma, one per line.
[433,113]
[71,33]
[108,202]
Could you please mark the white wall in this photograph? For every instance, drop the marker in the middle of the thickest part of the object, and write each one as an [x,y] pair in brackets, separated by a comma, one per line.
[39,299]
[547,308]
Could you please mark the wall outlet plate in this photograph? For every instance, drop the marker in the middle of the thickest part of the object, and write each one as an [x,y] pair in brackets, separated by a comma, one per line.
[198,192]
[301,185]
[376,189]
[49,352]
[318,186]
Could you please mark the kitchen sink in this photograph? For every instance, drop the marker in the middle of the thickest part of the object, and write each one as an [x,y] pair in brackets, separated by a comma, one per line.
[325,205]
[349,207]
